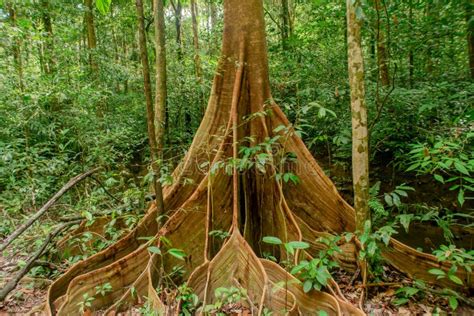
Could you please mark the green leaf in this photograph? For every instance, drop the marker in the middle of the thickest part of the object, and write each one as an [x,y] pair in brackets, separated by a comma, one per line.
[405,220]
[307,286]
[299,244]
[322,313]
[453,303]
[103,6]
[439,178]
[461,197]
[154,249]
[401,301]
[437,272]
[455,279]
[177,253]
[461,168]
[272,240]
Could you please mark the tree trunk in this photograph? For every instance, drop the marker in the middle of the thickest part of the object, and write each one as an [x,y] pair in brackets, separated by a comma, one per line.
[382,58]
[411,56]
[90,29]
[48,27]
[360,148]
[209,193]
[161,93]
[197,58]
[470,34]
[178,13]
[17,58]
[285,18]
[142,43]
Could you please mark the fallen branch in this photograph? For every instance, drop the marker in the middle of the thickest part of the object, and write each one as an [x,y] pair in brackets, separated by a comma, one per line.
[30,263]
[44,208]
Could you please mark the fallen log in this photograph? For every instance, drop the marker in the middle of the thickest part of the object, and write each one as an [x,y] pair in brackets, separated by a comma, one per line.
[72,182]
[10,285]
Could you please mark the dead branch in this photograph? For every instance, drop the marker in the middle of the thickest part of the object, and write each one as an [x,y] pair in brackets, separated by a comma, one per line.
[30,263]
[44,208]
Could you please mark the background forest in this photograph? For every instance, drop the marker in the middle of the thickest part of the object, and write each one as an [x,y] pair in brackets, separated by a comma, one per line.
[71,99]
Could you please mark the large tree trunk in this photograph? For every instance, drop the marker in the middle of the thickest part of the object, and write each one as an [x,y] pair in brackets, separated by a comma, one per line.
[90,29]
[161,92]
[150,116]
[249,204]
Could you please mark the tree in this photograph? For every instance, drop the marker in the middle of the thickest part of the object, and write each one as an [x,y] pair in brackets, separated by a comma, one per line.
[152,136]
[382,58]
[360,144]
[161,93]
[90,30]
[197,58]
[250,203]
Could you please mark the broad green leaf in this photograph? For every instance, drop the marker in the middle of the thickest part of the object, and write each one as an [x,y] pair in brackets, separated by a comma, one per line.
[155,250]
[177,253]
[439,178]
[453,303]
[307,286]
[461,168]
[103,6]
[455,279]
[437,272]
[272,240]
[299,244]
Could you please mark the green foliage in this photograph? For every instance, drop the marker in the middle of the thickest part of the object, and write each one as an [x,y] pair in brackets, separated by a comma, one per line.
[315,273]
[189,301]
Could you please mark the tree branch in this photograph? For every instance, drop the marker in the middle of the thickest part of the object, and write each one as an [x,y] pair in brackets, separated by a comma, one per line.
[30,263]
[45,207]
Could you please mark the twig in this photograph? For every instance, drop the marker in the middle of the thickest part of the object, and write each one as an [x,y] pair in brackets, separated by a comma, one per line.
[105,189]
[29,264]
[380,284]
[45,207]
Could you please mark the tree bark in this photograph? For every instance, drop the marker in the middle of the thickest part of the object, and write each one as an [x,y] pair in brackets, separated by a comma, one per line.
[197,58]
[411,56]
[382,58]
[178,15]
[161,92]
[360,148]
[142,43]
[90,29]
[286,20]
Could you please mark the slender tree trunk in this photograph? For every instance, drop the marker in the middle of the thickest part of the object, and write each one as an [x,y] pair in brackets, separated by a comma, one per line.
[285,18]
[16,50]
[411,57]
[48,27]
[90,29]
[470,34]
[178,13]
[161,93]
[360,148]
[148,96]
[382,59]
[197,59]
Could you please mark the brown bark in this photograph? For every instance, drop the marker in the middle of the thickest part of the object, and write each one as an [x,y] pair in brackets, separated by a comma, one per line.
[360,148]
[250,204]
[152,140]
[286,20]
[90,29]
[197,58]
[382,56]
[178,15]
[161,92]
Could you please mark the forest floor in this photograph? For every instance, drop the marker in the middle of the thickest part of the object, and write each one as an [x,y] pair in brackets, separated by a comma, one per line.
[380,296]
